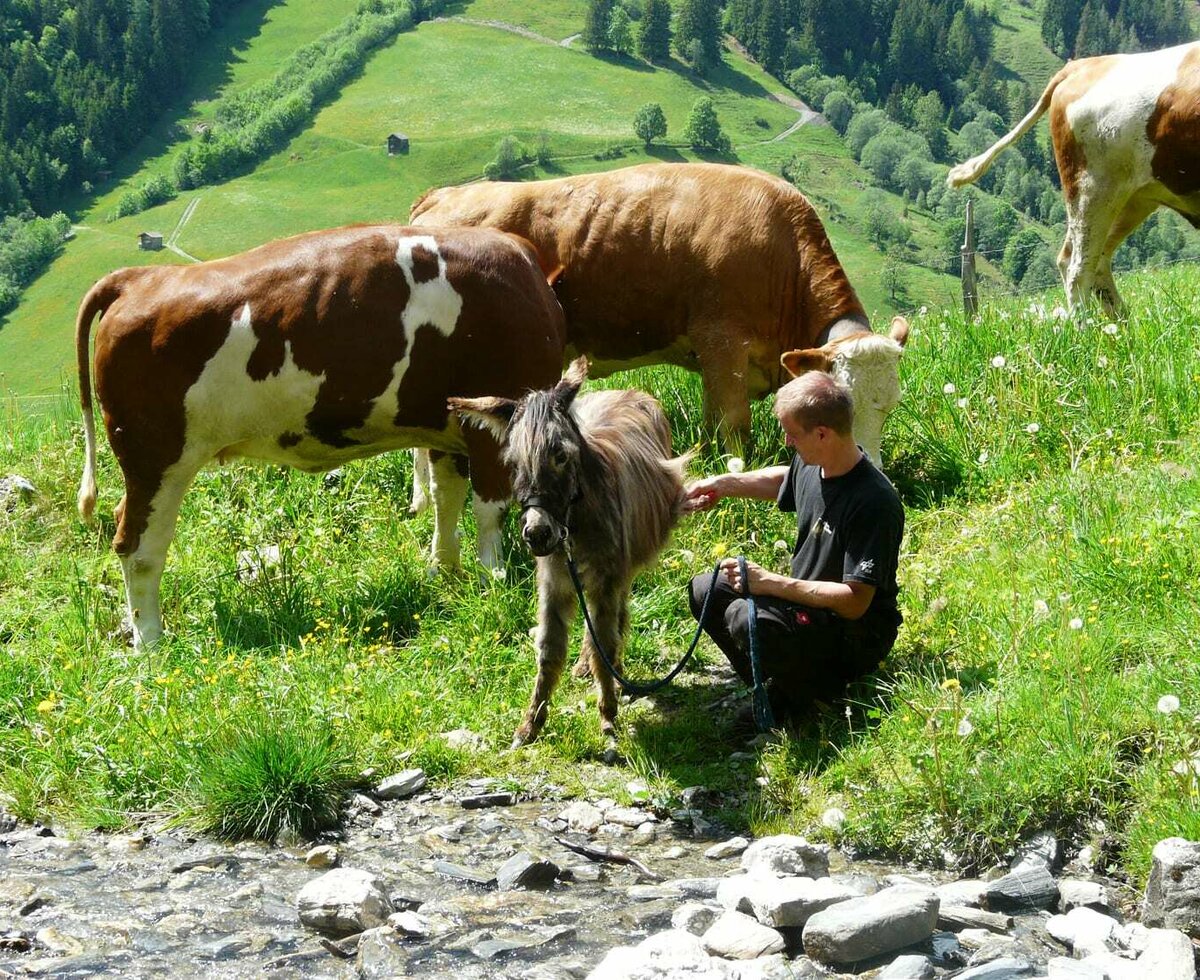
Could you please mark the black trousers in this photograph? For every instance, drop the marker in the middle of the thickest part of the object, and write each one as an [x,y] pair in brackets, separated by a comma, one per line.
[805,654]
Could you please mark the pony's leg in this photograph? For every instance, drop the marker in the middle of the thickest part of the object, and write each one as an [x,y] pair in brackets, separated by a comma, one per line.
[556,609]
[422,477]
[146,520]
[583,665]
[607,616]
[449,487]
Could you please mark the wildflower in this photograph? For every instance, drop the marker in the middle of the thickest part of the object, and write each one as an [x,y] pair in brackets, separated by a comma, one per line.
[962,403]
[951,684]
[687,555]
[1102,361]
[834,818]
[1033,428]
[781,545]
[1168,704]
[48,705]
[1041,608]
[1076,623]
[999,361]
[499,574]
[736,464]
[983,457]
[923,310]
[1060,313]
[1110,329]
[965,728]
[948,388]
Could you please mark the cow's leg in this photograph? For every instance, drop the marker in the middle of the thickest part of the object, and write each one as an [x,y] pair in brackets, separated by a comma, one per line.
[1135,211]
[422,470]
[492,486]
[1089,221]
[556,609]
[723,366]
[606,606]
[146,520]
[449,486]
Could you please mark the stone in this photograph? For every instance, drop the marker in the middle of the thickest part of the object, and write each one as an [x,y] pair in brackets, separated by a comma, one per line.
[483,800]
[1031,889]
[786,854]
[627,816]
[1074,893]
[1115,967]
[735,936]
[965,891]
[791,902]
[1065,968]
[1005,968]
[1173,888]
[863,928]
[402,785]
[693,917]
[409,923]
[778,967]
[910,967]
[322,856]
[956,917]
[726,849]
[380,954]
[344,900]
[1084,930]
[457,871]
[15,490]
[664,956]
[1041,850]
[464,738]
[367,805]
[582,816]
[1168,956]
[523,870]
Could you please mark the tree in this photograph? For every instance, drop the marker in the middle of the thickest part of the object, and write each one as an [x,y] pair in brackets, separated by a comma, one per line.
[654,35]
[620,31]
[838,109]
[649,123]
[894,276]
[703,129]
[595,25]
[510,154]
[698,33]
[929,118]
[1019,253]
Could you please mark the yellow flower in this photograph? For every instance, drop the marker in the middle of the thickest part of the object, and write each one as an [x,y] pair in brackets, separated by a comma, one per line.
[951,684]
[48,705]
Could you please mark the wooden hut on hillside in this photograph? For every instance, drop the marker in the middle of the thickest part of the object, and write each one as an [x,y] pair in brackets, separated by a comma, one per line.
[397,143]
[150,241]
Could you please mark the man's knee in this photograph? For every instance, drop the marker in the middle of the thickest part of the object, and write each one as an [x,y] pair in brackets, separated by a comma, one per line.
[737,620]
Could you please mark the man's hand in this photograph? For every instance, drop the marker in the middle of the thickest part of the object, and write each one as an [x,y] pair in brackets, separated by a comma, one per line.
[701,495]
[733,575]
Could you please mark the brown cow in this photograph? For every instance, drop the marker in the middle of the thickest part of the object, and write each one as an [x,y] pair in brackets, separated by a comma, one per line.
[310,351]
[716,268]
[1126,134]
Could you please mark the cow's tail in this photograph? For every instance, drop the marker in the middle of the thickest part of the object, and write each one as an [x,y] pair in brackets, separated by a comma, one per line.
[971,170]
[98,299]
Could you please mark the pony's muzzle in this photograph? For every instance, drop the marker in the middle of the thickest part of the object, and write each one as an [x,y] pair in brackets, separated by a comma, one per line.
[541,532]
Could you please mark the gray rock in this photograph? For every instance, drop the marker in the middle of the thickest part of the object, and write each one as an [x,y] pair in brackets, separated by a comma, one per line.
[457,871]
[627,816]
[1085,930]
[1029,890]
[791,902]
[738,937]
[1116,967]
[864,928]
[323,856]
[1168,956]
[956,917]
[664,956]
[966,891]
[15,490]
[786,854]
[1007,968]
[582,816]
[911,967]
[344,900]
[779,967]
[693,917]
[523,870]
[402,785]
[381,954]
[1173,888]
[364,803]
[729,848]
[410,923]
[1065,968]
[482,800]
[1075,893]
[1042,849]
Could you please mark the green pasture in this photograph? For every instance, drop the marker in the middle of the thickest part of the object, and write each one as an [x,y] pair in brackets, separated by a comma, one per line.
[555,19]
[1049,578]
[455,89]
[1020,48]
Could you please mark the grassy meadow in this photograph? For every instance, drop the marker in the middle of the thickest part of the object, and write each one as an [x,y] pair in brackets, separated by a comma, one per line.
[1047,675]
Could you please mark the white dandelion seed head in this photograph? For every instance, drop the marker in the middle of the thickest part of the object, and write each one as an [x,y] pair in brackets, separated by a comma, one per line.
[687,555]
[1168,704]
[923,310]
[834,818]
[781,545]
[1076,623]
[965,728]
[499,574]
[1033,428]
[1041,607]
[1060,313]
[1102,361]
[999,361]
[1181,768]
[1110,329]
[961,403]
[948,388]
[983,457]
[736,464]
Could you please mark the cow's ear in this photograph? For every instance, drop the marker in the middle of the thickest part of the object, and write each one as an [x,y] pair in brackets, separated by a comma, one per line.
[572,380]
[899,331]
[490,413]
[798,362]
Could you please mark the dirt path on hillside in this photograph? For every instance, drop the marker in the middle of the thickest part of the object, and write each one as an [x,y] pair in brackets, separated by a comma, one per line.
[502,26]
[183,220]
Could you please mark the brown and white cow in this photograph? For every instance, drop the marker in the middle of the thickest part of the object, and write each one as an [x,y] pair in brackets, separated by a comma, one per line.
[1126,135]
[716,268]
[310,351]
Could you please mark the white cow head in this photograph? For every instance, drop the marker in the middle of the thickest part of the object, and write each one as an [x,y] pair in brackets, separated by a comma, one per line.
[869,364]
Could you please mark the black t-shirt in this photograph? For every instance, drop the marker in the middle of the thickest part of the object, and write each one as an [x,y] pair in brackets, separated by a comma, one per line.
[848,530]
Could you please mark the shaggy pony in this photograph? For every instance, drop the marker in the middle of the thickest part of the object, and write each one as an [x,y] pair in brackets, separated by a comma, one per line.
[594,474]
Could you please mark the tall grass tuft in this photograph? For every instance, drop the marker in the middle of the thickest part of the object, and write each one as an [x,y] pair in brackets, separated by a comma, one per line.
[269,776]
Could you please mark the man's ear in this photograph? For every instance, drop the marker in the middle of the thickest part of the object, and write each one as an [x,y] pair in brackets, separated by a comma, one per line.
[798,362]
[490,413]
[572,380]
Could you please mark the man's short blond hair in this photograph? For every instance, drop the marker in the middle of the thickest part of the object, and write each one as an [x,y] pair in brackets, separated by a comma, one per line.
[816,398]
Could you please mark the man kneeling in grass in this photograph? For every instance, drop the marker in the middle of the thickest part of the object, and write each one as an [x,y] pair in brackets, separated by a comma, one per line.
[834,618]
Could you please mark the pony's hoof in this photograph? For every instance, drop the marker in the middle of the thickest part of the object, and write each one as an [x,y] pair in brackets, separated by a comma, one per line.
[582,669]
[522,737]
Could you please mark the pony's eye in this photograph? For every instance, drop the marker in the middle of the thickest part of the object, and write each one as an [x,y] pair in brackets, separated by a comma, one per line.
[560,457]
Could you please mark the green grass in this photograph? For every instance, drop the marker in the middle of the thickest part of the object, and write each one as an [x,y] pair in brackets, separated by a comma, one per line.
[555,19]
[1048,586]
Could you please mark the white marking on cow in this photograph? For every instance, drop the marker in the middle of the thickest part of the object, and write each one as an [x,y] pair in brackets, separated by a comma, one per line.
[436,301]
[229,413]
[488,515]
[1119,104]
[869,365]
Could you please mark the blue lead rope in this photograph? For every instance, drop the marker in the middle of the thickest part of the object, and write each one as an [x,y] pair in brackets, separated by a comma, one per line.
[763,716]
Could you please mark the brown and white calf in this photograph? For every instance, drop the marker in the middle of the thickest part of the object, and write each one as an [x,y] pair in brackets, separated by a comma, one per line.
[310,351]
[1126,136]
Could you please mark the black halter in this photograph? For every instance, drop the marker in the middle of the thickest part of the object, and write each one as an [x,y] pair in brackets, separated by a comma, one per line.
[549,504]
